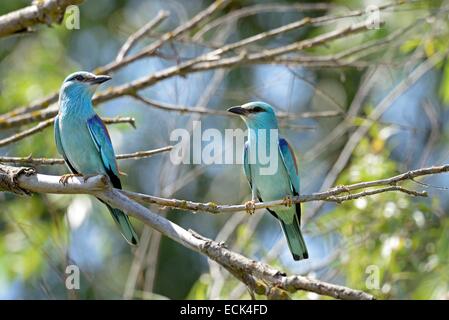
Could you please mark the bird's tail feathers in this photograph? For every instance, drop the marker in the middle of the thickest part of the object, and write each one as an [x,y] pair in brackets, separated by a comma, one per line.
[295,239]
[122,221]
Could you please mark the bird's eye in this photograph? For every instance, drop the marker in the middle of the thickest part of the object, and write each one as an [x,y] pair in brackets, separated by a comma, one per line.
[257,109]
[79,78]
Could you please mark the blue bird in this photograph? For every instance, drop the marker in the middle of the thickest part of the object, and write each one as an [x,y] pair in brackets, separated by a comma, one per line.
[283,182]
[83,140]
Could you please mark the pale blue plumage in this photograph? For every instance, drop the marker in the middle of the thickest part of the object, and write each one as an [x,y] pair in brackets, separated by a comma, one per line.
[103,143]
[83,140]
[283,182]
[289,161]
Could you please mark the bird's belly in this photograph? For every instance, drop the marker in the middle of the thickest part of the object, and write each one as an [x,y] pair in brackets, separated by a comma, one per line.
[79,148]
[275,187]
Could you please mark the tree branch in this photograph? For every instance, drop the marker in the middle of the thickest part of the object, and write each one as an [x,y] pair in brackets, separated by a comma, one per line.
[207,61]
[208,111]
[260,277]
[135,37]
[166,37]
[331,195]
[261,8]
[45,124]
[40,12]
[49,161]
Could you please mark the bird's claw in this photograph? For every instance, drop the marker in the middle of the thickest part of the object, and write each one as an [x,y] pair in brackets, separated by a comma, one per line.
[86,177]
[250,206]
[65,178]
[288,201]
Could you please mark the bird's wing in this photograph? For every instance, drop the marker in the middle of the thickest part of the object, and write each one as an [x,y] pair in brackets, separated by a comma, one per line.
[289,160]
[292,231]
[246,166]
[102,141]
[58,137]
[59,145]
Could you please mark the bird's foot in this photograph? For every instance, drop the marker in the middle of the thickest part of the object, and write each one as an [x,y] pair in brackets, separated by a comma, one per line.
[65,178]
[250,206]
[288,201]
[276,292]
[123,173]
[87,176]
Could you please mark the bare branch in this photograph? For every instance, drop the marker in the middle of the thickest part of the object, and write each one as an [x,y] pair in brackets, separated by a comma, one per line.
[180,30]
[40,12]
[178,108]
[117,120]
[49,161]
[18,136]
[380,108]
[260,8]
[331,195]
[139,34]
[260,277]
[208,111]
[143,154]
[36,105]
[44,124]
[207,61]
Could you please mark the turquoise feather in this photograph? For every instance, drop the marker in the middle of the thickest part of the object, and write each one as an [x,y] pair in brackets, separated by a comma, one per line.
[83,140]
[284,182]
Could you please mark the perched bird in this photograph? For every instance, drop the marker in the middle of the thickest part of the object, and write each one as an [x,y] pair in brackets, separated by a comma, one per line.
[83,140]
[283,182]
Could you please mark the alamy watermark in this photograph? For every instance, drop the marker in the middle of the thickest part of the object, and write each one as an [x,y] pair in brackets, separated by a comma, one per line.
[372,281]
[211,147]
[72,280]
[72,17]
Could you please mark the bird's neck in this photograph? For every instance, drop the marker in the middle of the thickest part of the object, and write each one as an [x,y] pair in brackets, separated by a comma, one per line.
[257,136]
[261,129]
[76,104]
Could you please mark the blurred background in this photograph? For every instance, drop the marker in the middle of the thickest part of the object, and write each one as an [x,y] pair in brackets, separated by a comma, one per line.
[405,240]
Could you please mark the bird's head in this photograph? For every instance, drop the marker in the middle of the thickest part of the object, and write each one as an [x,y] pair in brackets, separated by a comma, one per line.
[83,83]
[256,115]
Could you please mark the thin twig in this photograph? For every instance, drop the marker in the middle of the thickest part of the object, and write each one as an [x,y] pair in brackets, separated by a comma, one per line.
[139,34]
[207,61]
[257,9]
[381,107]
[207,111]
[54,161]
[45,124]
[21,135]
[24,118]
[329,195]
[168,36]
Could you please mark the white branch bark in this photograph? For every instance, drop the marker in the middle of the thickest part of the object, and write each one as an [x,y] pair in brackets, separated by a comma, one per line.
[40,12]
[258,276]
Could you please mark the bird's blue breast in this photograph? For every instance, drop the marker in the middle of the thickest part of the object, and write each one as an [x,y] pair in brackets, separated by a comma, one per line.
[275,187]
[272,187]
[78,145]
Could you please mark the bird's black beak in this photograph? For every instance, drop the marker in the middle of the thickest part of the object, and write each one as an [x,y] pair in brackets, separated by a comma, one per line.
[238,110]
[100,79]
